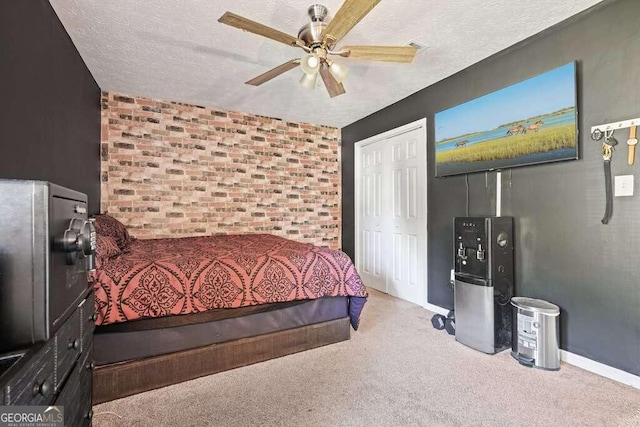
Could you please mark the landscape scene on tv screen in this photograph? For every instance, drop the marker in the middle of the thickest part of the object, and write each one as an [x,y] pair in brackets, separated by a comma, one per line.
[530,122]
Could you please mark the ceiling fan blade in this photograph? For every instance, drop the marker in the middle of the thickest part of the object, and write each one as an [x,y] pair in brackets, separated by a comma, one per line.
[381,53]
[333,87]
[349,14]
[274,72]
[256,28]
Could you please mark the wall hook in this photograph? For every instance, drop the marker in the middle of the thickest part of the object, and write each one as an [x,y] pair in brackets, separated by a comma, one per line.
[615,125]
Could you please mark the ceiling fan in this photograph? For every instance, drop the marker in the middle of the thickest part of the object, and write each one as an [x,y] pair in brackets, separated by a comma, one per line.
[318,39]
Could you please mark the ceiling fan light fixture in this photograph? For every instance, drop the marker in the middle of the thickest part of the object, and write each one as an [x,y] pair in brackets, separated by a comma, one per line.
[308,81]
[310,64]
[318,39]
[339,71]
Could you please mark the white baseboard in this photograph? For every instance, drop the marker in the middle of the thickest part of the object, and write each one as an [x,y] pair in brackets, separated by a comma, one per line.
[436,309]
[600,369]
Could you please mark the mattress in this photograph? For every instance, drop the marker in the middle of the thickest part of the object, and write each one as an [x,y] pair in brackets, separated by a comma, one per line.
[157,278]
[152,337]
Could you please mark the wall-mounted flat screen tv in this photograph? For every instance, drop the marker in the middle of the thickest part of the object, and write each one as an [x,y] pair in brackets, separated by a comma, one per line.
[531,122]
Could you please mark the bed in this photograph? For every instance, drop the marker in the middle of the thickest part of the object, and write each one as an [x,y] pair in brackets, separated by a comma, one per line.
[169,310]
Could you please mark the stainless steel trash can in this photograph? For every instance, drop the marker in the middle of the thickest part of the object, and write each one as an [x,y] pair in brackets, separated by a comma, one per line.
[537,342]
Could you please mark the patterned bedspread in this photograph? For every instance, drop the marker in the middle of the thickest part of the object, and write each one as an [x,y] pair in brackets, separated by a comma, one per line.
[162,277]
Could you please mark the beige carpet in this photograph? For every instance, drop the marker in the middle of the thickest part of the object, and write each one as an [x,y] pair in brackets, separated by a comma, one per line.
[395,371]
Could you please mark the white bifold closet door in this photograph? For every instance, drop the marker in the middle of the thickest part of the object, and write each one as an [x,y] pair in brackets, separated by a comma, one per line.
[374,218]
[392,216]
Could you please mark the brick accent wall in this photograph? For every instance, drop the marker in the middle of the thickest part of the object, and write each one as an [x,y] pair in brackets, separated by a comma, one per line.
[177,170]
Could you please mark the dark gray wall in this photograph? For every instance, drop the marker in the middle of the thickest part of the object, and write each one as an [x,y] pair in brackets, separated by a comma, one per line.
[563,253]
[50,107]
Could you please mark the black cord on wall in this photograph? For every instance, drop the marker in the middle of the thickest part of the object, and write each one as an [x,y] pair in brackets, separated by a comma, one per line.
[466,181]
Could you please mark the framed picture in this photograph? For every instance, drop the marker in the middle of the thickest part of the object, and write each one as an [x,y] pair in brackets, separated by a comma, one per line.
[530,122]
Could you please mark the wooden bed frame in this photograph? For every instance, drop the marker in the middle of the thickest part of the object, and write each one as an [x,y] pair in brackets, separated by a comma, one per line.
[123,379]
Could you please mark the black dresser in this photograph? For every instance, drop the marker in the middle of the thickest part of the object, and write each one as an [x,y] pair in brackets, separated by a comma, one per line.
[57,372]
[47,312]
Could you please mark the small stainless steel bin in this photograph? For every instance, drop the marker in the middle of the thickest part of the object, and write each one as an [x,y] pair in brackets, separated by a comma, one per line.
[537,342]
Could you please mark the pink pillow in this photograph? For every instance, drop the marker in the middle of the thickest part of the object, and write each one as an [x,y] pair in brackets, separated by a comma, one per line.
[106,248]
[108,226]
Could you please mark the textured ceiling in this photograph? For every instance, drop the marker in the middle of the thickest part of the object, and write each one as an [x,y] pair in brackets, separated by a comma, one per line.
[177,51]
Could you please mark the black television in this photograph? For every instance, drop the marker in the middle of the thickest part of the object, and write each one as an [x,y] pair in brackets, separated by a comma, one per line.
[530,122]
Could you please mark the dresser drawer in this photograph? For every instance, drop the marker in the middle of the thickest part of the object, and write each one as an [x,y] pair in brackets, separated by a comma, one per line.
[9,364]
[33,383]
[76,394]
[88,318]
[68,346]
